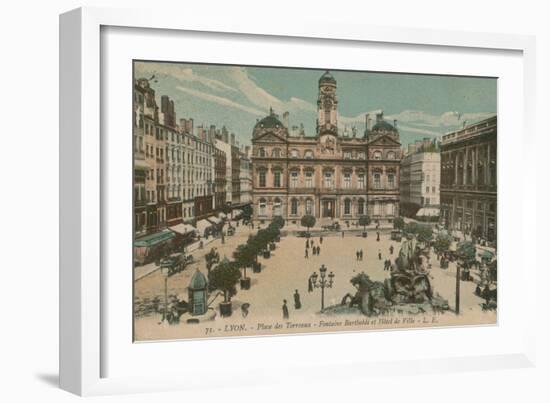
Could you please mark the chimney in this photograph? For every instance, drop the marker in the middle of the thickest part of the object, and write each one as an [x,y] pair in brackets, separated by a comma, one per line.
[379,117]
[285,119]
[369,124]
[232,139]
[367,121]
[395,123]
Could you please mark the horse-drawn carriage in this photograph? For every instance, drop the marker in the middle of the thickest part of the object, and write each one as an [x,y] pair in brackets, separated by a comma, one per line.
[176,262]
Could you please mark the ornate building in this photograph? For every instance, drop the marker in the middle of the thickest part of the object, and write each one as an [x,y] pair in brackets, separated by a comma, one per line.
[330,175]
[469,179]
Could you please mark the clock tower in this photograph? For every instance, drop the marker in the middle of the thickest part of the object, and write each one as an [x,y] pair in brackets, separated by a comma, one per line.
[327,106]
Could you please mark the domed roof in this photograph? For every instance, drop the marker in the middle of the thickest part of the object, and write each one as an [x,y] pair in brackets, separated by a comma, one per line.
[383,126]
[198,281]
[269,122]
[327,78]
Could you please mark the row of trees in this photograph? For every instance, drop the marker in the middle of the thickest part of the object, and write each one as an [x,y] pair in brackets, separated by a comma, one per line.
[227,273]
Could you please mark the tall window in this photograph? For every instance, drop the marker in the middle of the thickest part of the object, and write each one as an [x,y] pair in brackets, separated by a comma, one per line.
[391,155]
[347,180]
[377,155]
[347,155]
[361,207]
[361,181]
[277,179]
[294,207]
[277,207]
[328,180]
[262,207]
[276,152]
[294,179]
[309,206]
[261,152]
[309,179]
[376,179]
[262,179]
[391,180]
[347,207]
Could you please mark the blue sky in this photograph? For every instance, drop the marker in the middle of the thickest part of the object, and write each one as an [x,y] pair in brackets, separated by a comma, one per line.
[235,96]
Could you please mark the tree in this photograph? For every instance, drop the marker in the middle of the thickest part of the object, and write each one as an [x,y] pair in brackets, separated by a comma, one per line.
[442,242]
[224,277]
[308,221]
[278,221]
[247,211]
[466,251]
[244,257]
[423,232]
[364,220]
[399,223]
[212,258]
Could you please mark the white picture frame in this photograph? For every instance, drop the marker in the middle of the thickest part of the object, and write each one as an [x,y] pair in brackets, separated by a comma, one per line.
[85,346]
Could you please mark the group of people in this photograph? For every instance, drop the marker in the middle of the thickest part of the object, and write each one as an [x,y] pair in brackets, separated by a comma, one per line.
[359,255]
[315,250]
[297,305]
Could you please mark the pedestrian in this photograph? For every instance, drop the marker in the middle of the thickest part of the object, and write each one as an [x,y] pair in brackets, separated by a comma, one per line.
[377,236]
[391,249]
[285,310]
[342,234]
[357,255]
[379,255]
[318,250]
[361,254]
[307,254]
[297,302]
[321,239]
[307,243]
[309,285]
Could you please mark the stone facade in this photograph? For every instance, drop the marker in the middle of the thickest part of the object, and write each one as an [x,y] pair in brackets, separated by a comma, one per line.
[328,175]
[469,179]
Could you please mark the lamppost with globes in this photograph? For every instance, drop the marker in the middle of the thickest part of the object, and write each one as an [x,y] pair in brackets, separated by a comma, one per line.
[321,281]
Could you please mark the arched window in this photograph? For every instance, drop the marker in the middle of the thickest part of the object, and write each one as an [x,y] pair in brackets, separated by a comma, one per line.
[261,152]
[262,207]
[277,207]
[294,207]
[308,154]
[377,155]
[390,155]
[347,207]
[377,179]
[294,153]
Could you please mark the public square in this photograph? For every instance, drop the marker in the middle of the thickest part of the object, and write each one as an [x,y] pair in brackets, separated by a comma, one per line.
[288,270]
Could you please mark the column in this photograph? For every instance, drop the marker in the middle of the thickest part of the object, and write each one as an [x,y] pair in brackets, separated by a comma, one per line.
[488,165]
[456,169]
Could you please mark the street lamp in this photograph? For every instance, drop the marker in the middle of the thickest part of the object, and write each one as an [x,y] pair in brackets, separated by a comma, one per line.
[320,281]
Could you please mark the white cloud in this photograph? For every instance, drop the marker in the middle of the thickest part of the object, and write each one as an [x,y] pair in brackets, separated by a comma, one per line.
[222,101]
[180,73]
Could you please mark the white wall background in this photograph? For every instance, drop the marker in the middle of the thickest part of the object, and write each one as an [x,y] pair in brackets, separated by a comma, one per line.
[29,198]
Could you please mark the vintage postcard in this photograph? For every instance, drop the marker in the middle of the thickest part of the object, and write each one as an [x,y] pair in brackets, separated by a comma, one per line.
[277,200]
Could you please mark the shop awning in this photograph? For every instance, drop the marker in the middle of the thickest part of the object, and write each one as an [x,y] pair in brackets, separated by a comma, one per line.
[214,220]
[182,229]
[202,225]
[154,239]
[428,212]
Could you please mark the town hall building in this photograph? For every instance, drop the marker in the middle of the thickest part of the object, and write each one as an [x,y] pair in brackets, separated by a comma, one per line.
[333,175]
